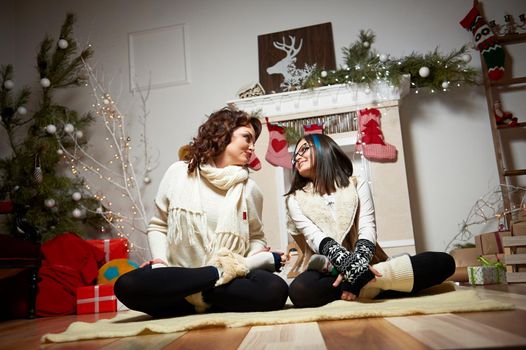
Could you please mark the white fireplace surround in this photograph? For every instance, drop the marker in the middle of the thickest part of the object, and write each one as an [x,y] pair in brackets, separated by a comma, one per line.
[388,180]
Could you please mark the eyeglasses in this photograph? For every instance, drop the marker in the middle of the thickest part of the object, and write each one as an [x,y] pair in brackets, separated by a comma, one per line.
[303,149]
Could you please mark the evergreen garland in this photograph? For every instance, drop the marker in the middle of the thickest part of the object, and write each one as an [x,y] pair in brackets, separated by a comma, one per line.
[363,65]
[30,175]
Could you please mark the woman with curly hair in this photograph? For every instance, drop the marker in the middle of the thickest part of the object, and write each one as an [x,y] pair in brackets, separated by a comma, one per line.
[207,242]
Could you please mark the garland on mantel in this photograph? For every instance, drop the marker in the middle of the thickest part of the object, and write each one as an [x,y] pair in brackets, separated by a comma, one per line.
[363,65]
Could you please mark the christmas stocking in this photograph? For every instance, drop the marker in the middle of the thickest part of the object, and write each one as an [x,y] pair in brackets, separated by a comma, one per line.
[253,162]
[486,42]
[277,151]
[312,129]
[370,138]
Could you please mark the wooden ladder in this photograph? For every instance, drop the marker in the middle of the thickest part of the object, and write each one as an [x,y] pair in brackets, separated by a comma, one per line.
[511,258]
[493,89]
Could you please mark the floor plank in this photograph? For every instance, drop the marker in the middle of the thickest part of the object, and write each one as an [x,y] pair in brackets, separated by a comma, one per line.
[210,338]
[289,336]
[367,333]
[449,331]
[513,321]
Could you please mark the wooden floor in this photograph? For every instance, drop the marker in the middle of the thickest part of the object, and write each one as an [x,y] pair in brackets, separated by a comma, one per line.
[503,329]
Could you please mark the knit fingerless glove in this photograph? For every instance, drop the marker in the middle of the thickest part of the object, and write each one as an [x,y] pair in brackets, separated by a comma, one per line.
[353,266]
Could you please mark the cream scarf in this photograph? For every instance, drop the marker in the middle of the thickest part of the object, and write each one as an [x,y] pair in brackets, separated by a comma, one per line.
[314,207]
[187,218]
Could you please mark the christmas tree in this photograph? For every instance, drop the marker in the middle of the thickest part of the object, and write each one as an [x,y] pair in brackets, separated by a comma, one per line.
[45,202]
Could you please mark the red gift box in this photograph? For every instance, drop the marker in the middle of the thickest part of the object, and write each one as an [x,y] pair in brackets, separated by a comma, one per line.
[95,299]
[114,248]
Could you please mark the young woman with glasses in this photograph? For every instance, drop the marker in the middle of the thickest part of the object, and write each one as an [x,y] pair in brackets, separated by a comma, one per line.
[332,211]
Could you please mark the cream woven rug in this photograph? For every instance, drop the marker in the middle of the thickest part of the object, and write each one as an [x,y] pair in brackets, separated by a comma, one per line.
[131,323]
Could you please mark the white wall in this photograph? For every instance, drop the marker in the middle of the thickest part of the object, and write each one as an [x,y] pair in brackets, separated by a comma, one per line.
[7,31]
[449,153]
[7,47]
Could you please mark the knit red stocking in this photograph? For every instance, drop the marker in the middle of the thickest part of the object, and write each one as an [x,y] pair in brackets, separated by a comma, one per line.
[370,138]
[277,151]
[253,162]
[313,129]
[486,42]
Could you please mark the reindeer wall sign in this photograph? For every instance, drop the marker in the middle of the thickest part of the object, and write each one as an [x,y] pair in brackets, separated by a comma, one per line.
[287,58]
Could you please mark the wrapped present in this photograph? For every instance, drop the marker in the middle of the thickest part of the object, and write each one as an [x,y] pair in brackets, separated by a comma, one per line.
[95,299]
[114,248]
[488,273]
[465,257]
[490,243]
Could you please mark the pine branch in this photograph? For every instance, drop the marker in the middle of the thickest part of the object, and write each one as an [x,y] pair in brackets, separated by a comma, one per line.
[363,66]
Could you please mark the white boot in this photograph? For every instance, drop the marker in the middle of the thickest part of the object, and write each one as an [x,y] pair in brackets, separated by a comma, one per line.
[397,274]
[198,302]
[230,266]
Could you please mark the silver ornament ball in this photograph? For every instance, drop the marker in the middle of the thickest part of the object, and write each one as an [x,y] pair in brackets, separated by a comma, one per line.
[63,44]
[51,129]
[366,44]
[76,196]
[69,128]
[79,134]
[466,57]
[424,72]
[77,213]
[9,84]
[45,82]
[383,58]
[147,180]
[323,74]
[60,152]
[21,110]
[445,84]
[50,203]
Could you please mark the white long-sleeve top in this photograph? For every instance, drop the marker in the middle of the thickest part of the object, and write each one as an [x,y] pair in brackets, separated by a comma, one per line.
[313,235]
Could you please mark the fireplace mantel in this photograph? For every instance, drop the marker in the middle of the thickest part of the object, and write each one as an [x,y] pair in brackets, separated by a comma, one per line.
[388,180]
[301,103]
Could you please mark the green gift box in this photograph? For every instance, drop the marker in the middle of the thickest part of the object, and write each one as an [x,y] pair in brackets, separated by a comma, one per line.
[479,275]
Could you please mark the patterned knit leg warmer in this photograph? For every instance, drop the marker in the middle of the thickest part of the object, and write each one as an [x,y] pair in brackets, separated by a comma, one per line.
[353,266]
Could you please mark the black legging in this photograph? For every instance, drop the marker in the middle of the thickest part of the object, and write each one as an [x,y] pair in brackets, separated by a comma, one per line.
[160,292]
[313,288]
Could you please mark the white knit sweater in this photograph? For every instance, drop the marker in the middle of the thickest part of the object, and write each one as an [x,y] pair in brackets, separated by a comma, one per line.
[195,254]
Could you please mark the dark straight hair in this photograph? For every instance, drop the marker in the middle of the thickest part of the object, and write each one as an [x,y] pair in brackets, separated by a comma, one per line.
[332,166]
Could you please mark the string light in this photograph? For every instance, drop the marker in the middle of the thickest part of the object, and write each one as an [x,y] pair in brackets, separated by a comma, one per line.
[117,171]
[488,208]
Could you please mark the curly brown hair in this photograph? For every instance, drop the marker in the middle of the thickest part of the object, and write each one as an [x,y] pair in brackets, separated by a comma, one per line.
[215,134]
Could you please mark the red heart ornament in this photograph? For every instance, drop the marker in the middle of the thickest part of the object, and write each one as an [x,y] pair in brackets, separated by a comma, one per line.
[278,145]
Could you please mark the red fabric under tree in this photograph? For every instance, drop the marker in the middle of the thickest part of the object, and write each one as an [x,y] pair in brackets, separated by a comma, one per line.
[68,262]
